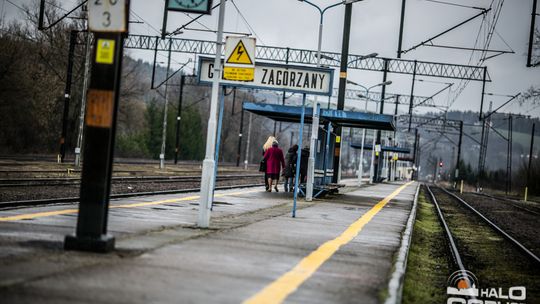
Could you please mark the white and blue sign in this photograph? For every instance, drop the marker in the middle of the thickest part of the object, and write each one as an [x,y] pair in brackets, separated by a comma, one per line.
[280,77]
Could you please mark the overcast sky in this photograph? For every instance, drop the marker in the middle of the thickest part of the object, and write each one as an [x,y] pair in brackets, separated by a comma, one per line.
[375,26]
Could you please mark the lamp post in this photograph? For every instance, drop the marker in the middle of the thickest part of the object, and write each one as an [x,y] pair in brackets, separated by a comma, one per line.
[360,166]
[315,114]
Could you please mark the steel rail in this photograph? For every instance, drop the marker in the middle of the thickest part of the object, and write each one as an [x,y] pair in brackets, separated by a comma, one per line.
[65,200]
[41,182]
[494,226]
[509,200]
[451,242]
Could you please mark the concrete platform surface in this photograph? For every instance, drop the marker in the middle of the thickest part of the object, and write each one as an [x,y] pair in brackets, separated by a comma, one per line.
[337,250]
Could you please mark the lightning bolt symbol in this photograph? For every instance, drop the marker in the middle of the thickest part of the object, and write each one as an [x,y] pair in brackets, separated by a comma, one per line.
[239,52]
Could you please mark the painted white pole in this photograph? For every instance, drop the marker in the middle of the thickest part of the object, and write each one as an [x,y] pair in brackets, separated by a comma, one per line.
[361,165]
[314,128]
[165,111]
[207,178]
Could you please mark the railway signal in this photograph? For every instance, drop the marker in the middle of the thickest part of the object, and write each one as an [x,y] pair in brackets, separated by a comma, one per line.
[109,21]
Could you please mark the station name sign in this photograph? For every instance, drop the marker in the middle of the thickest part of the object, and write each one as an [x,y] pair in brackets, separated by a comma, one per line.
[280,77]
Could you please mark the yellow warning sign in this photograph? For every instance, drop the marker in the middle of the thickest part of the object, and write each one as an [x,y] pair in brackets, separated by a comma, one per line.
[99,108]
[105,51]
[238,74]
[338,139]
[239,55]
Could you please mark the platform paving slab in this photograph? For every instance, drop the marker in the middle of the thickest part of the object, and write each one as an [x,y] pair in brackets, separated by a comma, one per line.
[163,258]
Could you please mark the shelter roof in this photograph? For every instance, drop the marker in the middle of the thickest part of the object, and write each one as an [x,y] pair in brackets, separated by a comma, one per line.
[288,113]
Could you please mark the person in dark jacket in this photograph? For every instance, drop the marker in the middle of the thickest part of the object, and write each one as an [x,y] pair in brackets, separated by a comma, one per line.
[274,163]
[304,164]
[290,168]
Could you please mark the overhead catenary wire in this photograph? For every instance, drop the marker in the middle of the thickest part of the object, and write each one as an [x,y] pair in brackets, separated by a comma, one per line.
[146,22]
[247,23]
[454,4]
[488,29]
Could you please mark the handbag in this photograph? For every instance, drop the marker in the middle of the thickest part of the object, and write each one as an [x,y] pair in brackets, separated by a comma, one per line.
[262,165]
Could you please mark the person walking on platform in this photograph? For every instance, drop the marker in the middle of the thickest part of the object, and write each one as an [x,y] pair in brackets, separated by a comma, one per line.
[274,163]
[290,168]
[267,145]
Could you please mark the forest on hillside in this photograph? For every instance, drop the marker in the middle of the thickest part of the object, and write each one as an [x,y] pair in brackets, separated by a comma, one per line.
[33,76]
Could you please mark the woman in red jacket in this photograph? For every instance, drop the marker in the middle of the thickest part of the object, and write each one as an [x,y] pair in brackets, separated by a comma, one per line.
[274,163]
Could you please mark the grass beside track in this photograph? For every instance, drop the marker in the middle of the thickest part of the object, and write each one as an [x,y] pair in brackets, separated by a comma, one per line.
[427,264]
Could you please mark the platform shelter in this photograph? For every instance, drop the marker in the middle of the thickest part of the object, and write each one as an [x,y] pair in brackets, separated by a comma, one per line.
[329,120]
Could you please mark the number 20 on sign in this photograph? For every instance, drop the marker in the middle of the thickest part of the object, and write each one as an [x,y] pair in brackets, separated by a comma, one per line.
[107,16]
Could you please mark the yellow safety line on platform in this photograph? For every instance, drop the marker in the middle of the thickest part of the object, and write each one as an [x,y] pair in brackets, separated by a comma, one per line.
[281,288]
[28,216]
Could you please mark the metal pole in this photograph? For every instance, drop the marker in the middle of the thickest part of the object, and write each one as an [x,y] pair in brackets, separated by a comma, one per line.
[372,166]
[239,150]
[342,84]
[415,156]
[299,154]
[234,101]
[326,150]
[103,97]
[483,93]
[378,165]
[483,147]
[400,40]
[155,63]
[165,15]
[528,185]
[67,93]
[508,155]
[207,178]
[220,123]
[531,34]
[283,95]
[361,163]
[480,169]
[456,176]
[510,160]
[314,126]
[41,14]
[394,162]
[179,118]
[83,99]
[165,111]
[247,143]
[412,95]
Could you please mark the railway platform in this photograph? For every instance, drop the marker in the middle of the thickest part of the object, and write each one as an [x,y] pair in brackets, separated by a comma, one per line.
[339,249]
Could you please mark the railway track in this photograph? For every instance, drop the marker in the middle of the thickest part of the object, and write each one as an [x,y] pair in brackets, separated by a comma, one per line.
[515,203]
[483,249]
[485,219]
[456,256]
[65,200]
[36,182]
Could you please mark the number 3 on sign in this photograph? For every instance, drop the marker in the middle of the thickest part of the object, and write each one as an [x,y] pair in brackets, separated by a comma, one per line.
[107,16]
